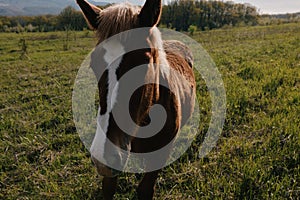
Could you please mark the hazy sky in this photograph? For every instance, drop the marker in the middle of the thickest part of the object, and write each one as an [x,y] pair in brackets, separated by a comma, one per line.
[274,6]
[265,6]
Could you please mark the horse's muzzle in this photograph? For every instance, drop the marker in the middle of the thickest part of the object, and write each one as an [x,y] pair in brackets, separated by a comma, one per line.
[103,170]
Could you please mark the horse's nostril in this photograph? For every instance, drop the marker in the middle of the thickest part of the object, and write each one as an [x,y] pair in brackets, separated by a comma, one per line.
[111,160]
[114,160]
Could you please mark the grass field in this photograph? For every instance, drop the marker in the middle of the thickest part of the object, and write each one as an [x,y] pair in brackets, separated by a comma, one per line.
[257,156]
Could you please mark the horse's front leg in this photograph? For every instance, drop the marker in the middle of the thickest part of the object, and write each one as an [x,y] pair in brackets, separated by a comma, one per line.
[109,186]
[145,189]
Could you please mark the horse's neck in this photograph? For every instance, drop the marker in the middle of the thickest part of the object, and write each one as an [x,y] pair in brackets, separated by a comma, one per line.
[157,43]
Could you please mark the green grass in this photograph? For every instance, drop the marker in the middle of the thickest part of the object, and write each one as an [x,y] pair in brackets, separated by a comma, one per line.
[257,156]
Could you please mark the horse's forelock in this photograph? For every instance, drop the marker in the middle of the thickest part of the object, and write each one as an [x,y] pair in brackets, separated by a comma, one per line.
[117,18]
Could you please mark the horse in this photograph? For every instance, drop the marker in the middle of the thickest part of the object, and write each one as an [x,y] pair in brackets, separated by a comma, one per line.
[169,62]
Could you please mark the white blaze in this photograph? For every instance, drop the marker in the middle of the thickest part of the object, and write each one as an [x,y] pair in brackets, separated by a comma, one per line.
[113,51]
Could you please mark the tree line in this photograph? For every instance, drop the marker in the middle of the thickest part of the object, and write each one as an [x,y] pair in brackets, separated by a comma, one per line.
[68,19]
[182,15]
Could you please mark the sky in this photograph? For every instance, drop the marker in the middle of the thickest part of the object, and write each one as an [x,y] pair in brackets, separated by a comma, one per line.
[274,6]
[264,6]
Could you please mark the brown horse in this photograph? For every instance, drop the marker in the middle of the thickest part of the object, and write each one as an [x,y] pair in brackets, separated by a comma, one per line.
[167,62]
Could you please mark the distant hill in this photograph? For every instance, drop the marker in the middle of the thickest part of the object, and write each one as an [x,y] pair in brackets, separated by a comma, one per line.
[286,16]
[37,7]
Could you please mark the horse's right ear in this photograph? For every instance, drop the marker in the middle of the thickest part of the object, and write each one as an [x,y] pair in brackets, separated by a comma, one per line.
[90,12]
[150,13]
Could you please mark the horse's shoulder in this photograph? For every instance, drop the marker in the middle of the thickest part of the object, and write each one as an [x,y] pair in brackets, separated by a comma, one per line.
[180,59]
[179,49]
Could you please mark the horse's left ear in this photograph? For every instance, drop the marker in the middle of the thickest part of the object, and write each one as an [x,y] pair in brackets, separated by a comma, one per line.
[90,12]
[150,13]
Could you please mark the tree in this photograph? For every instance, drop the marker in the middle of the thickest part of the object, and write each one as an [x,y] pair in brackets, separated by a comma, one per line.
[69,18]
[192,29]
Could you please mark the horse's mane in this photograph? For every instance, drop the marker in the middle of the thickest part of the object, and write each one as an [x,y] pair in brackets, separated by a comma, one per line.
[115,19]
